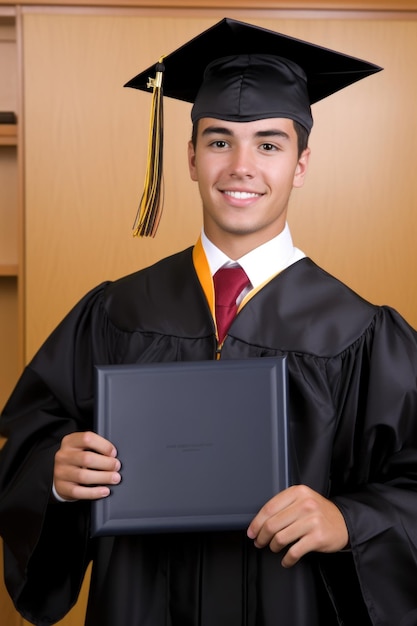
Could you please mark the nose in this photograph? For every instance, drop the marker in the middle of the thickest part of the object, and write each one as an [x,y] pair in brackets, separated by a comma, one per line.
[242,163]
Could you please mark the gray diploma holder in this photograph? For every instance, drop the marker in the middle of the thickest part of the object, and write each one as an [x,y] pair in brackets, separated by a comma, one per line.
[203,445]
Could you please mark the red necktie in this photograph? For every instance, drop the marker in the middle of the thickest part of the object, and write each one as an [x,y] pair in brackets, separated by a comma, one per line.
[228,284]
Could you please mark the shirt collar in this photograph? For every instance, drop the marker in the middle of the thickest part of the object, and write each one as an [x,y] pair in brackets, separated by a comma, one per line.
[260,264]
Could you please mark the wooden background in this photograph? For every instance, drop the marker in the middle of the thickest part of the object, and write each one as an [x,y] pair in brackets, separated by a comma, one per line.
[85,147]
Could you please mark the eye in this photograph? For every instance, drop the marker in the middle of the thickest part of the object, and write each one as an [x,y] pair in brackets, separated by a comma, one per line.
[268,147]
[219,143]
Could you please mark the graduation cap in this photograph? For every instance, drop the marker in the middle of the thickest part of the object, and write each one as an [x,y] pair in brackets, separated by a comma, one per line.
[238,72]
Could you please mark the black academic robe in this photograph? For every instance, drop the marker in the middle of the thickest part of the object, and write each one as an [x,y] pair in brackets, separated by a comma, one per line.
[352,371]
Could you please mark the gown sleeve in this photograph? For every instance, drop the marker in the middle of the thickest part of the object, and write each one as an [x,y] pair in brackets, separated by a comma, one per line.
[52,398]
[375,470]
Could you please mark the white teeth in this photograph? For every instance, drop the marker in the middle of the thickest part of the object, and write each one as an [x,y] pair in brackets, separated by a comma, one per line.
[241,195]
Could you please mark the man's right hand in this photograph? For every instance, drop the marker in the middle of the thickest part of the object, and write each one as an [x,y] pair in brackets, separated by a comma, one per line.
[85,465]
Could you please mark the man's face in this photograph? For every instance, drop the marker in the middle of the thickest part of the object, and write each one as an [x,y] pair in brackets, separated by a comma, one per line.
[245,172]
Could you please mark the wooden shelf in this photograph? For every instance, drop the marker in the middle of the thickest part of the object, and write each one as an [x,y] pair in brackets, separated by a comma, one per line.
[8,269]
[8,134]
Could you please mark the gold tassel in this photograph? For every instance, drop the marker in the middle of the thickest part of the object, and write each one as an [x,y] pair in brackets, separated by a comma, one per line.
[150,206]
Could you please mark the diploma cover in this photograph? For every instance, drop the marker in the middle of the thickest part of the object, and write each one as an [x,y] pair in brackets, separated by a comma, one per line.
[203,445]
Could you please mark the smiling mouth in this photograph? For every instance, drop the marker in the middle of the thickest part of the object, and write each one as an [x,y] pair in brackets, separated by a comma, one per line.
[242,195]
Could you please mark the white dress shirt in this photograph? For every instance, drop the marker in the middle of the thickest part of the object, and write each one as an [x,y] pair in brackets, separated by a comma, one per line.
[260,264]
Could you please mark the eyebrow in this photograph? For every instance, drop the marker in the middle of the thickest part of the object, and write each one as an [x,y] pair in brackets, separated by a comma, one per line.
[222,130]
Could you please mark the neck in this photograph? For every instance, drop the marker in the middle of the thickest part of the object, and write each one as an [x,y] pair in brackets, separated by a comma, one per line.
[235,246]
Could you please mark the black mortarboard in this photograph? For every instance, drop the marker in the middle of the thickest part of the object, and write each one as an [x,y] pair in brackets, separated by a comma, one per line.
[239,72]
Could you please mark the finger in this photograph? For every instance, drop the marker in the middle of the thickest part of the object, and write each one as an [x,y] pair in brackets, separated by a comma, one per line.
[89,440]
[72,491]
[272,508]
[303,516]
[69,456]
[95,461]
[83,476]
[309,541]
[278,535]
[295,552]
[84,484]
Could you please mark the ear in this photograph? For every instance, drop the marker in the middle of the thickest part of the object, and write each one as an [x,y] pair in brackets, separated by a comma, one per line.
[191,162]
[301,169]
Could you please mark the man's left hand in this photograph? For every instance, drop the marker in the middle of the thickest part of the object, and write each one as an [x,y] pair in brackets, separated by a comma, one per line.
[302,520]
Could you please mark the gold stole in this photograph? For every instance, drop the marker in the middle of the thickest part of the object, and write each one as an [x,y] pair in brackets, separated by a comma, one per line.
[206,280]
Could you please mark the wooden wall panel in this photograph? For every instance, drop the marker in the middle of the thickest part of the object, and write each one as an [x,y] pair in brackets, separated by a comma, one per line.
[9,367]
[86,142]
[8,203]
[85,148]
[8,616]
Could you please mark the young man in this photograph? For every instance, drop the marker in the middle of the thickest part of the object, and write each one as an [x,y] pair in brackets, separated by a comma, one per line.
[339,545]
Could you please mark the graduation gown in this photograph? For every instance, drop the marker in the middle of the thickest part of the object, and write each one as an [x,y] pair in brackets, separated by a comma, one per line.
[352,371]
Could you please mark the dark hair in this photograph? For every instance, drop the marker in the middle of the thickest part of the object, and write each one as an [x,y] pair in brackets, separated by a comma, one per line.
[302,136]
